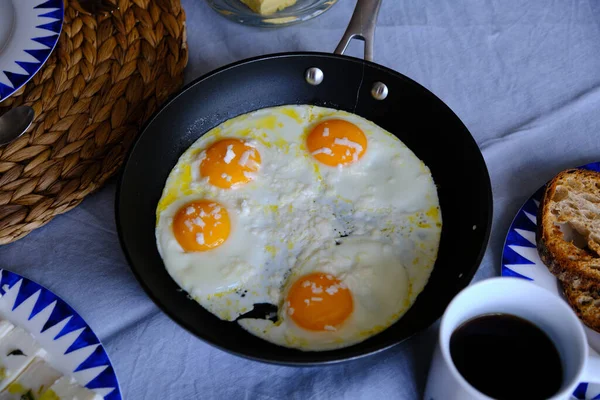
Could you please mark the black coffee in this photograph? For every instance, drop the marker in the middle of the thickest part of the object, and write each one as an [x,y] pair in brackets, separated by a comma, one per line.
[506,357]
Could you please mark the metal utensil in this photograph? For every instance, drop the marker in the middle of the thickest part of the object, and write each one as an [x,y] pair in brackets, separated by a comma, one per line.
[95,7]
[14,123]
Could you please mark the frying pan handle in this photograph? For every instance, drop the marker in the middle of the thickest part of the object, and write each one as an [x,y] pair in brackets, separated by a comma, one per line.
[362,26]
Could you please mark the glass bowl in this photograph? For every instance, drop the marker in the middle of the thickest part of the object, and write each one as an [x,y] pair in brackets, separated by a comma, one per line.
[303,10]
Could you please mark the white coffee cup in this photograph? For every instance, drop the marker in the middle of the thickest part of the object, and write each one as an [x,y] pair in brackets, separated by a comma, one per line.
[523,299]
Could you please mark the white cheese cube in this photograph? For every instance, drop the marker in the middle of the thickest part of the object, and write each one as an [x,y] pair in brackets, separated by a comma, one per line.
[34,381]
[17,349]
[5,327]
[68,389]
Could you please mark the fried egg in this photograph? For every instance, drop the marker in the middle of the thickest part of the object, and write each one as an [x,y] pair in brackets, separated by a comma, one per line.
[281,196]
[339,295]
[364,165]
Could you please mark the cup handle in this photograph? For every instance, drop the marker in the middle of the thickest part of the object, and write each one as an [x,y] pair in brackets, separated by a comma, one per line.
[592,369]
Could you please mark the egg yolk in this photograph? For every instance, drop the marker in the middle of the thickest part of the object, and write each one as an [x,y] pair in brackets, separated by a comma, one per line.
[336,142]
[201,225]
[319,302]
[230,162]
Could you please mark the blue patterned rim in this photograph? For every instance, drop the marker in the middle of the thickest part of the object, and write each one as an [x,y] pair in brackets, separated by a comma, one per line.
[48,318]
[520,259]
[36,28]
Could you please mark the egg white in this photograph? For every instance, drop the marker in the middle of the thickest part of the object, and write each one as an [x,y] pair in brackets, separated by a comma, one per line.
[271,217]
[388,174]
[217,278]
[294,212]
[374,275]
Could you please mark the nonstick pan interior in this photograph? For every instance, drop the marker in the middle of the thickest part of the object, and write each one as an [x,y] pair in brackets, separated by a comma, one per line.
[418,118]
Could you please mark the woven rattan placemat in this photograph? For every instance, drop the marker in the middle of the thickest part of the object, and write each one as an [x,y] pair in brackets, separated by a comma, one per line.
[106,77]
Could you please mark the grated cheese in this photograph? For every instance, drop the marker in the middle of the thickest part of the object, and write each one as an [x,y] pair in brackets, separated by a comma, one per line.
[198,221]
[323,150]
[230,154]
[316,289]
[346,142]
[331,290]
[245,157]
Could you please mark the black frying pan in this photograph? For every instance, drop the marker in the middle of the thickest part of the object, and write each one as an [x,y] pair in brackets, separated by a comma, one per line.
[412,113]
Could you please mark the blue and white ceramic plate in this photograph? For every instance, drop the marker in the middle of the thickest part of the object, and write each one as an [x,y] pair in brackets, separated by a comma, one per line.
[29,30]
[71,344]
[520,259]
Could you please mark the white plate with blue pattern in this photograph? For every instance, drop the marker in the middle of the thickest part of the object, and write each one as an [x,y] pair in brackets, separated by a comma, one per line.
[29,31]
[520,259]
[72,346]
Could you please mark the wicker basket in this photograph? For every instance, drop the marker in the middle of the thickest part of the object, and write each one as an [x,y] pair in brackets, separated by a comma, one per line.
[106,77]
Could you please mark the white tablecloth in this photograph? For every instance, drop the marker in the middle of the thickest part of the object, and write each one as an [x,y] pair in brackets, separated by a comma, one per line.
[523,75]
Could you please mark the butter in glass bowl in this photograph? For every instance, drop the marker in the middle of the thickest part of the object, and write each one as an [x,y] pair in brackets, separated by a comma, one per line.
[268,7]
[270,13]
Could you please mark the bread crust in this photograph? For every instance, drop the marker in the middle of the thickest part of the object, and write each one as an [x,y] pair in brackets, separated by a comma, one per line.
[576,268]
[585,301]
[569,263]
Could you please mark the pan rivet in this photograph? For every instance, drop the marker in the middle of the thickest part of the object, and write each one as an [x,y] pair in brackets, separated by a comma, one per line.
[379,91]
[314,76]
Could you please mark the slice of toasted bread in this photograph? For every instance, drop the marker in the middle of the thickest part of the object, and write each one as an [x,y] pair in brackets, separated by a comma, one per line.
[585,301]
[568,236]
